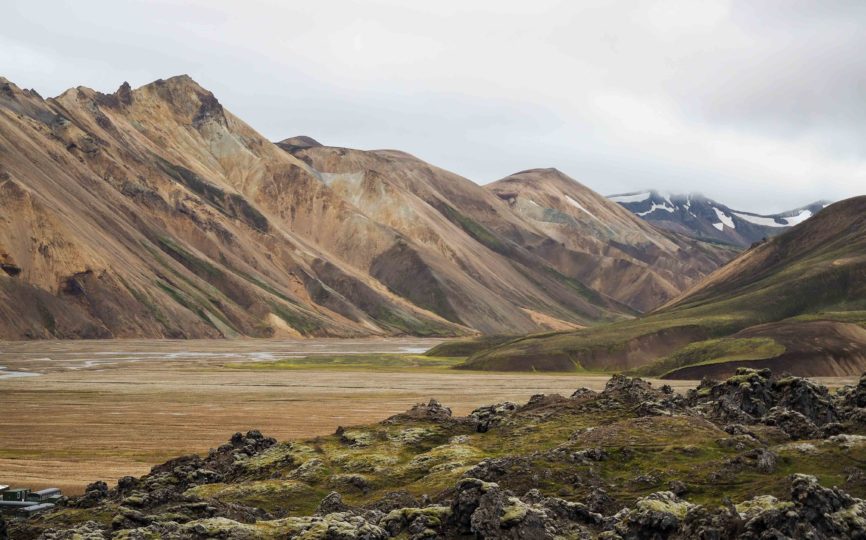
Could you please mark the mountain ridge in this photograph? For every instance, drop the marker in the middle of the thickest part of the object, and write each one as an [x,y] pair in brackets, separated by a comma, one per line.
[155,212]
[696,215]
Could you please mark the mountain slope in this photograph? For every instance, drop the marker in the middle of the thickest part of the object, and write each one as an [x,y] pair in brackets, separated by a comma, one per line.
[589,238]
[699,217]
[463,264]
[154,212]
[796,302]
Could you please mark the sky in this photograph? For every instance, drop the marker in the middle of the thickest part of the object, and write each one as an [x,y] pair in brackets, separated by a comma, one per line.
[758,104]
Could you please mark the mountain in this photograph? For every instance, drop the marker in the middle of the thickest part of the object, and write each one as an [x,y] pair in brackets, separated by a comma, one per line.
[699,217]
[589,238]
[155,212]
[796,303]
[459,259]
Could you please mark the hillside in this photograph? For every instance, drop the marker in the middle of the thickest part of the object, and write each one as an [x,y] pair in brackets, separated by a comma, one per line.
[796,302]
[156,213]
[700,217]
[462,263]
[599,243]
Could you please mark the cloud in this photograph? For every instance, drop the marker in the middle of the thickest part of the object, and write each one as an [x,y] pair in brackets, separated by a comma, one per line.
[758,104]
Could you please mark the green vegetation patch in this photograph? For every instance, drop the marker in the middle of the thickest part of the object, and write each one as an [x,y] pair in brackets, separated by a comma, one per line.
[466,347]
[715,351]
[282,496]
[856,317]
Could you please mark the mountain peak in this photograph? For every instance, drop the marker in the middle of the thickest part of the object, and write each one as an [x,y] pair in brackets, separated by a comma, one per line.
[698,216]
[186,96]
[298,142]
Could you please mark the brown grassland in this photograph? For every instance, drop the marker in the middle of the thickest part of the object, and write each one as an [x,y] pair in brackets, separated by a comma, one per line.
[101,410]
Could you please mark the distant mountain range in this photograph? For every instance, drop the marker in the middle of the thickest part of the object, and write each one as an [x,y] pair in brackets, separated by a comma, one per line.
[699,217]
[155,212]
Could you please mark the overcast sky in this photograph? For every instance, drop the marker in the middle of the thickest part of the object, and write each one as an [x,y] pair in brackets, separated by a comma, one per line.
[760,104]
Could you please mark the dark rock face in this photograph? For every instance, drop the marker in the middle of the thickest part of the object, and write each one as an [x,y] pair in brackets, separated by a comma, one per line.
[628,390]
[4,534]
[93,494]
[433,410]
[796,425]
[331,504]
[856,396]
[491,415]
[796,405]
[807,398]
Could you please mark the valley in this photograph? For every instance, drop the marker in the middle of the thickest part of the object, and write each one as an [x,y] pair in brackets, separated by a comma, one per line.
[106,409]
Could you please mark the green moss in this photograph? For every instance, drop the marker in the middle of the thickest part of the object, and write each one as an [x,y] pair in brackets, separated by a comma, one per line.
[291,496]
[762,503]
[714,351]
[514,512]
[678,509]
[364,462]
[465,347]
[184,301]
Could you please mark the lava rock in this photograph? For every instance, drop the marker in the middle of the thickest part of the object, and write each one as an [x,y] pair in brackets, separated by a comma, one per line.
[629,390]
[658,515]
[794,424]
[433,410]
[491,415]
[331,504]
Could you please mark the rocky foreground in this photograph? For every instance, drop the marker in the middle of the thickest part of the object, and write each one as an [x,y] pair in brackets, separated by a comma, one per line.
[751,457]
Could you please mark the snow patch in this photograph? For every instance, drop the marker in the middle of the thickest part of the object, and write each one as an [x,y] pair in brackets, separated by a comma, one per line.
[760,220]
[631,198]
[799,218]
[576,204]
[655,207]
[724,219]
[667,197]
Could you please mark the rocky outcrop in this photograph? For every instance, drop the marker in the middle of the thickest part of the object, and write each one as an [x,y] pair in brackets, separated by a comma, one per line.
[491,415]
[798,406]
[432,410]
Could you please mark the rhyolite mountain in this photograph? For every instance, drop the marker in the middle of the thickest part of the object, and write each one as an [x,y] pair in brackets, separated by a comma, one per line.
[597,242]
[796,302]
[700,217]
[155,212]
